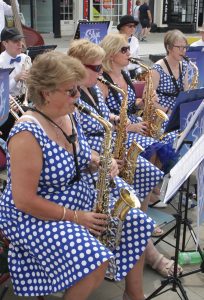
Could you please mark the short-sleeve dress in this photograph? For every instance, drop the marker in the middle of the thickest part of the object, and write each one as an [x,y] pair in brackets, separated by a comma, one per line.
[50,256]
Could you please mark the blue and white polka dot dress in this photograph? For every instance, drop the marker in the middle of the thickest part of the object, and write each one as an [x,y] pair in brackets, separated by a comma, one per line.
[147,176]
[166,85]
[49,256]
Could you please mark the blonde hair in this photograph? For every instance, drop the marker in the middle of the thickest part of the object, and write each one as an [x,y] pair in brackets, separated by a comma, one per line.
[171,36]
[49,71]
[86,51]
[112,43]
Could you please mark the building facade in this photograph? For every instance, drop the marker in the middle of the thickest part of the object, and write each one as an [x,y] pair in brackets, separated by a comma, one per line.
[61,16]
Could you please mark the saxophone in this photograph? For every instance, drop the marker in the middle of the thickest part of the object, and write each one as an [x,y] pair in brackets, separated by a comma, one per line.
[194,83]
[120,149]
[111,237]
[153,117]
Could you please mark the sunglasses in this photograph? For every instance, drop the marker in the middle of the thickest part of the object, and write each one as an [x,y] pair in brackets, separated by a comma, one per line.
[95,68]
[125,49]
[72,92]
[181,47]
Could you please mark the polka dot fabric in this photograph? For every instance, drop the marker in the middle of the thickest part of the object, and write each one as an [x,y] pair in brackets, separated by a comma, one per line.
[166,85]
[147,176]
[48,256]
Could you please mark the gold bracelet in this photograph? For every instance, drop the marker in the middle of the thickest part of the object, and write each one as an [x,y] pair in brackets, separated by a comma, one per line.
[64,213]
[76,219]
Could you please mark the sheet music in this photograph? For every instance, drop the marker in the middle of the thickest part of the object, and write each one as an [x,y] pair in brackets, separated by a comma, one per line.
[189,126]
[186,165]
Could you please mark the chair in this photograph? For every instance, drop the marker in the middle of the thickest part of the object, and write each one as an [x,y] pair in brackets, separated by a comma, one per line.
[4,272]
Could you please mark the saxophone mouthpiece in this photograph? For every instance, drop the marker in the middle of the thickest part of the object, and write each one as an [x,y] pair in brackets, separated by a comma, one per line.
[82,108]
[135,60]
[104,81]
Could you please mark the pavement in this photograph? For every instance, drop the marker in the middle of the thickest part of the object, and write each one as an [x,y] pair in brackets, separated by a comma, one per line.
[193,284]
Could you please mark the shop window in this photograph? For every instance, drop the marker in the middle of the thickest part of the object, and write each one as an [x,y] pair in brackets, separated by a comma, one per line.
[66,9]
[106,10]
[182,11]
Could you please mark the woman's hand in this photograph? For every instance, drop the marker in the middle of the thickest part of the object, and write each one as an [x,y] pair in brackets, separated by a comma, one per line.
[96,223]
[120,164]
[139,103]
[114,168]
[140,128]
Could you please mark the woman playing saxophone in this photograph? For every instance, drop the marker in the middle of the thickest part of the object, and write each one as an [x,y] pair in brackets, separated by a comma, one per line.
[170,75]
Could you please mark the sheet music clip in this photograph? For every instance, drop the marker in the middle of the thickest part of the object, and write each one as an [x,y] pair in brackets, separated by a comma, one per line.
[164,186]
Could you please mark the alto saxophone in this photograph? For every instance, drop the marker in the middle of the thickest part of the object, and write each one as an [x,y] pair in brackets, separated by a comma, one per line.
[111,237]
[120,149]
[194,83]
[154,117]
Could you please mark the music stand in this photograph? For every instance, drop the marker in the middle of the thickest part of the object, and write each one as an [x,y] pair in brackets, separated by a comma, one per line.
[94,31]
[178,175]
[36,50]
[183,97]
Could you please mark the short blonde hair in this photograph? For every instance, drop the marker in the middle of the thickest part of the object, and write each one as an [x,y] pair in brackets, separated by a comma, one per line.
[86,51]
[49,71]
[171,36]
[112,43]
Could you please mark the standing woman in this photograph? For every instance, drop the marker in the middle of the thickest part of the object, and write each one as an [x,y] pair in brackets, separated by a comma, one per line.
[46,208]
[170,75]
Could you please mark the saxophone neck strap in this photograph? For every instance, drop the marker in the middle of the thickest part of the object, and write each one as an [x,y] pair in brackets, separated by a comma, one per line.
[70,138]
[172,75]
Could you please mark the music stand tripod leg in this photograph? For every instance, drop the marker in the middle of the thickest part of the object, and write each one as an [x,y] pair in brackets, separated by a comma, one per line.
[174,279]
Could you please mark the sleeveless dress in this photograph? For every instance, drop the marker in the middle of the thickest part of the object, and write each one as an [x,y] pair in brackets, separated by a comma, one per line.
[147,176]
[163,148]
[50,256]
[166,85]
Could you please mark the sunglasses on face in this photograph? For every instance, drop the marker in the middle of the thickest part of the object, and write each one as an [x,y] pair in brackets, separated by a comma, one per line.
[95,68]
[125,49]
[181,47]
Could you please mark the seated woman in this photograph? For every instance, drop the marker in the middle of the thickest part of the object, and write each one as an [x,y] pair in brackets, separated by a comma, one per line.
[170,75]
[116,58]
[147,175]
[46,209]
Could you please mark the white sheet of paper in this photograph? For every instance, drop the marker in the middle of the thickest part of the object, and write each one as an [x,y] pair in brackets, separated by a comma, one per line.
[186,165]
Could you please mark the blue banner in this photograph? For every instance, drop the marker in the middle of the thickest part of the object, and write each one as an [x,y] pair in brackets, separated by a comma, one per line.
[94,32]
[197,57]
[4,95]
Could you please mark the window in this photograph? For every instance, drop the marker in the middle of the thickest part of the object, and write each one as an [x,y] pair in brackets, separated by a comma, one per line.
[107,10]
[66,9]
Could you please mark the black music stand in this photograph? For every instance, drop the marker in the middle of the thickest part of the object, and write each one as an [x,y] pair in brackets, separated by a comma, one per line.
[174,185]
[36,50]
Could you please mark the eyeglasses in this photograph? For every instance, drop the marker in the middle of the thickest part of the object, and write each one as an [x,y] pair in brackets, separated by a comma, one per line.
[125,49]
[72,92]
[131,25]
[181,47]
[95,68]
